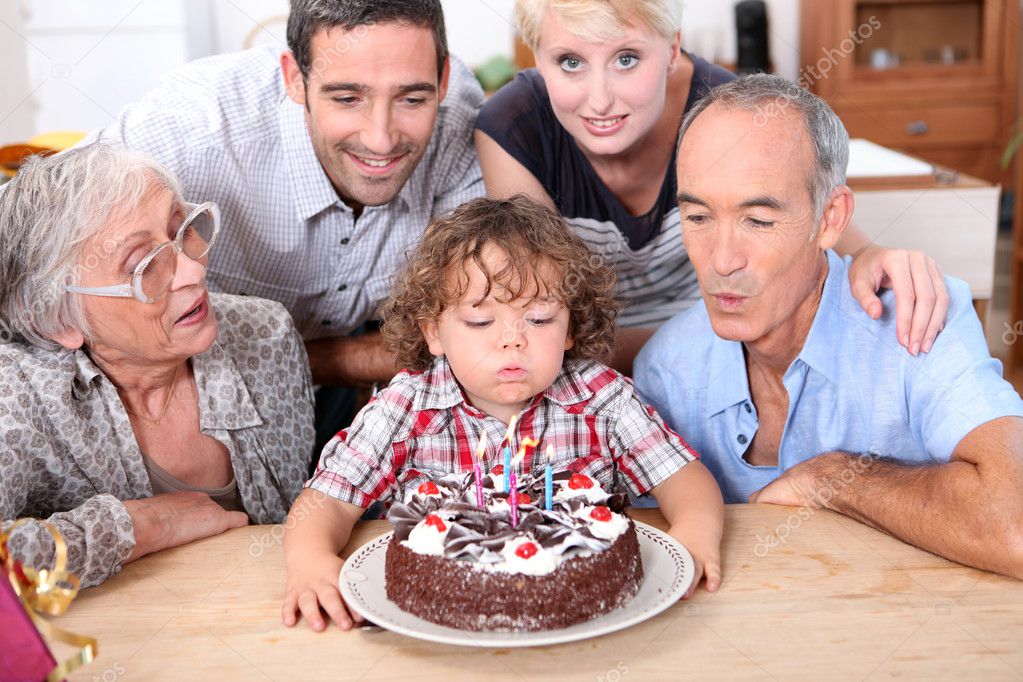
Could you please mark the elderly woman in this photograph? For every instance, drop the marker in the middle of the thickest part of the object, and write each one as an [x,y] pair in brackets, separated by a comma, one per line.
[137,410]
[592,132]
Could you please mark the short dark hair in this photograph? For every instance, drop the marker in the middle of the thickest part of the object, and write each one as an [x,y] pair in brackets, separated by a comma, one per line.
[309,16]
[544,258]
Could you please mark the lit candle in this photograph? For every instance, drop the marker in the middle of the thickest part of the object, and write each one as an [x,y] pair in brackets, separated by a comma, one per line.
[513,500]
[548,480]
[477,471]
[507,450]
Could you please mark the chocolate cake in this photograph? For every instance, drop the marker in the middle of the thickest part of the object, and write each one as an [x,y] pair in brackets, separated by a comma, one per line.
[455,564]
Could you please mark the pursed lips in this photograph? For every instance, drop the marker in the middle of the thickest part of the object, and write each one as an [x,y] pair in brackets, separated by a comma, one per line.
[512,372]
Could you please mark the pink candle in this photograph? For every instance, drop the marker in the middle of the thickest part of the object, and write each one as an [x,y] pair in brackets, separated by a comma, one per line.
[477,471]
[513,487]
[514,499]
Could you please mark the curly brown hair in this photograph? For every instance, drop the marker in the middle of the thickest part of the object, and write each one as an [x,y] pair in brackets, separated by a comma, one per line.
[544,258]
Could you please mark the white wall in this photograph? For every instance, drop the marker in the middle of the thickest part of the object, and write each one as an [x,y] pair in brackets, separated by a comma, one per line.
[480,29]
[17,112]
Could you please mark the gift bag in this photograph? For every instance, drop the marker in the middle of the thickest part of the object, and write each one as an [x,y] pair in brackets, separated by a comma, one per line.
[23,653]
[25,593]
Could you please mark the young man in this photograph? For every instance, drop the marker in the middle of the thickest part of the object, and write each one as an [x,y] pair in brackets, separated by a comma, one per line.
[327,160]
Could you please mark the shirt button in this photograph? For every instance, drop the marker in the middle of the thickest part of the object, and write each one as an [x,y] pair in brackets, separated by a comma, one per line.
[742,439]
[342,287]
[344,241]
[748,408]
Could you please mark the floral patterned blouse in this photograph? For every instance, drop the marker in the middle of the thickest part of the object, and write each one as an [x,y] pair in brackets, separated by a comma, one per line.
[68,453]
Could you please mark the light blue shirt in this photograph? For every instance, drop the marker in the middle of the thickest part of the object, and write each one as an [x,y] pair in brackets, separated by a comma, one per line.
[851,388]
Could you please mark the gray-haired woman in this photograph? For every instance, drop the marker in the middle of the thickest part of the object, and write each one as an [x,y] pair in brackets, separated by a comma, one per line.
[137,411]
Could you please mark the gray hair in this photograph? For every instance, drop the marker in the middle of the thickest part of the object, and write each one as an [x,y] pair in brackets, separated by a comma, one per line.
[49,212]
[309,16]
[771,96]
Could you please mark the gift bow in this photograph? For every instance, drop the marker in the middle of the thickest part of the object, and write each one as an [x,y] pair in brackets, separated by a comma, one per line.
[49,592]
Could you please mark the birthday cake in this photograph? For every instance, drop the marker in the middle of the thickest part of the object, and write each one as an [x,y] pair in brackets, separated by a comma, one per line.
[454,562]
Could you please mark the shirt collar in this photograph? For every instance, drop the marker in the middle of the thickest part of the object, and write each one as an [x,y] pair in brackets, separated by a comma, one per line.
[822,348]
[727,383]
[444,392]
[310,186]
[569,387]
[219,383]
[216,378]
[85,370]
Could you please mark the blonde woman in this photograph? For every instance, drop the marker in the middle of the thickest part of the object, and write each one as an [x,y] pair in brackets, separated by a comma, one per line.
[592,131]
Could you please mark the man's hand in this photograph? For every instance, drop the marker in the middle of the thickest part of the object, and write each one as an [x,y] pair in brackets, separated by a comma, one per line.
[811,483]
[921,297]
[312,589]
[174,519]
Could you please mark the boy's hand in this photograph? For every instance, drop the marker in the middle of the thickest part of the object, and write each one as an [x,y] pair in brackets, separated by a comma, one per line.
[706,551]
[312,589]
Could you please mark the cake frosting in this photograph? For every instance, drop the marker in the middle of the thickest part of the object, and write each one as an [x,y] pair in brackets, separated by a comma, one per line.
[455,564]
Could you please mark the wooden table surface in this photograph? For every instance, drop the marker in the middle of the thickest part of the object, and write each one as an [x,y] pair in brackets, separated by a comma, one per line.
[805,595]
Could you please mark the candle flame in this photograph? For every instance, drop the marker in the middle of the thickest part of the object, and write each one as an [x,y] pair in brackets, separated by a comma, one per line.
[550,453]
[527,442]
[511,429]
[481,447]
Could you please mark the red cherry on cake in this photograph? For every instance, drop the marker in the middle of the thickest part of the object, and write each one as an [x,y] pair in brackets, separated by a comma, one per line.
[437,522]
[429,488]
[580,481]
[498,470]
[600,513]
[526,550]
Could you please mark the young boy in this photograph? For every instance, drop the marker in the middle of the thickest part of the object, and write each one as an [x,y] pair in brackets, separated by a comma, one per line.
[501,311]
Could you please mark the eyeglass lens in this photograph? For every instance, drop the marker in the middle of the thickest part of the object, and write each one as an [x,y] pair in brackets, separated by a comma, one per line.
[195,243]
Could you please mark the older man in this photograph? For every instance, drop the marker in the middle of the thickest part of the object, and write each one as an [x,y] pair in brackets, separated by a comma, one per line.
[779,379]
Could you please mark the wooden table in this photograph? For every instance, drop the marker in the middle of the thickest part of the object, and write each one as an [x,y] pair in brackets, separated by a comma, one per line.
[805,595]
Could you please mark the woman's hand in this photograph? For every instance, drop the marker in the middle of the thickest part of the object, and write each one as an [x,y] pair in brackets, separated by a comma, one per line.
[312,589]
[921,297]
[174,519]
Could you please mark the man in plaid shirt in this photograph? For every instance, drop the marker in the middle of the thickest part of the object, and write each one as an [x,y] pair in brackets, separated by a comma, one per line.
[501,311]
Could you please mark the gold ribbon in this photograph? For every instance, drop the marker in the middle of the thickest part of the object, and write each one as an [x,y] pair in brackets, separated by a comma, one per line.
[48,592]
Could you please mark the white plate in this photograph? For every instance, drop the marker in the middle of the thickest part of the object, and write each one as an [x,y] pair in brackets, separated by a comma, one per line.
[667,573]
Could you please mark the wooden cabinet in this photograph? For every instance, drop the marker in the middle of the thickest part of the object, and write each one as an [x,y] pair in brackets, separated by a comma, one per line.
[933,78]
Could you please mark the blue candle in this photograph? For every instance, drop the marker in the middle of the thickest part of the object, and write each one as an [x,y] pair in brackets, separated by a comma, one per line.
[507,468]
[548,480]
[507,449]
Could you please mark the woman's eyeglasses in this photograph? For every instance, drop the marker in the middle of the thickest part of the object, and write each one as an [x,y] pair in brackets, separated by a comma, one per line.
[152,277]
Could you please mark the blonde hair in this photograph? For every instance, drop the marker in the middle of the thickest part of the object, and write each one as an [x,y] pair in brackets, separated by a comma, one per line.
[597,20]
